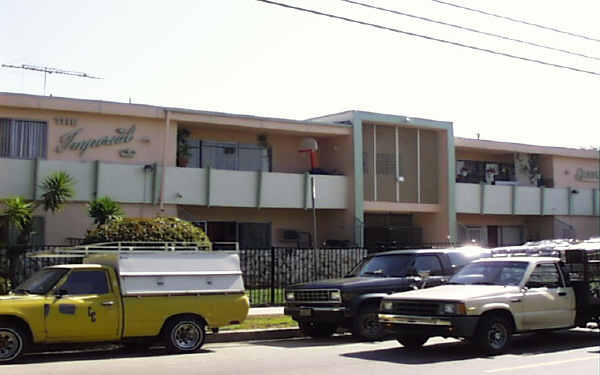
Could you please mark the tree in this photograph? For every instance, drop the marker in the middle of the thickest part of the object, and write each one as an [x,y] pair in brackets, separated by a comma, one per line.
[103,210]
[57,188]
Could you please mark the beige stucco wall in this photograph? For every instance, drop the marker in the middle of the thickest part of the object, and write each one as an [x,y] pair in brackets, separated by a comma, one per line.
[331,224]
[585,226]
[565,171]
[95,126]
[73,221]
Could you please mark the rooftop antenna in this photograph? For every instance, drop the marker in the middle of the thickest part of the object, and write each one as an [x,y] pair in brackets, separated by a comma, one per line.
[47,70]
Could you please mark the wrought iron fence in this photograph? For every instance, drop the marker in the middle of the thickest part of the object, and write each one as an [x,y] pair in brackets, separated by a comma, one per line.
[266,272]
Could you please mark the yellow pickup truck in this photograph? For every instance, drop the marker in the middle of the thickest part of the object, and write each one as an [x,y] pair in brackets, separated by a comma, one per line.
[126,297]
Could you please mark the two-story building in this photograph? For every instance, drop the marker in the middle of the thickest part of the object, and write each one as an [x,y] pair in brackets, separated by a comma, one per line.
[376,180]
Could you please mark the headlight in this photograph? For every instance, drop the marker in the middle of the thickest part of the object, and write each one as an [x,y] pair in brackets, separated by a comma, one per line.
[335,295]
[387,306]
[289,296]
[452,309]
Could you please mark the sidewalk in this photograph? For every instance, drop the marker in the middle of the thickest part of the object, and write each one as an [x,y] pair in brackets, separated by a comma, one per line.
[257,334]
[277,310]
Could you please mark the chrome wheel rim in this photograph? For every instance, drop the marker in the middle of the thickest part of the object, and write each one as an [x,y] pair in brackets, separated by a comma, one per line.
[497,335]
[10,344]
[187,335]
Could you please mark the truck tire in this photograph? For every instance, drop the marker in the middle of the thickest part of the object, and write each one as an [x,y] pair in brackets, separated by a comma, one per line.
[412,342]
[184,334]
[13,343]
[366,326]
[493,334]
[317,330]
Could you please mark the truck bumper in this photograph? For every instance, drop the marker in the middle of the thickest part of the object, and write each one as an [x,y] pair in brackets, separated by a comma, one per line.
[335,314]
[445,326]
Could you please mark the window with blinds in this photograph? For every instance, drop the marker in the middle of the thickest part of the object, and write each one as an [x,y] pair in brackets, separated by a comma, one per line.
[23,139]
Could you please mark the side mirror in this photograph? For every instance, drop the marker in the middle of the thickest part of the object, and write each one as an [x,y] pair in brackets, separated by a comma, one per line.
[60,293]
[424,276]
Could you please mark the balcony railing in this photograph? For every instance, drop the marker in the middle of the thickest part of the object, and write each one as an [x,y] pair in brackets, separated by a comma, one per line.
[128,183]
[524,200]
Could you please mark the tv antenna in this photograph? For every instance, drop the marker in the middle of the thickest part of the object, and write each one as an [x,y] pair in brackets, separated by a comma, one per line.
[47,70]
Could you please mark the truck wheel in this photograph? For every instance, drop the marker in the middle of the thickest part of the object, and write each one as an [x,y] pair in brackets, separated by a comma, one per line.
[493,334]
[366,324]
[317,330]
[184,334]
[413,342]
[13,341]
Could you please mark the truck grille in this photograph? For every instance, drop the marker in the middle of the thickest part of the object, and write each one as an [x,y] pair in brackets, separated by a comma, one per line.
[419,308]
[315,295]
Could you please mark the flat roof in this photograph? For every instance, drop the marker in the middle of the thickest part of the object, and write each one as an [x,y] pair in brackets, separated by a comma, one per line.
[499,147]
[177,114]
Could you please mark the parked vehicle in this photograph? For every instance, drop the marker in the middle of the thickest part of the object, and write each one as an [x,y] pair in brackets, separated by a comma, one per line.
[129,297]
[352,302]
[489,300]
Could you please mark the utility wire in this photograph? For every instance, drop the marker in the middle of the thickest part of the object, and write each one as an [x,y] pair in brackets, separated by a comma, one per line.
[517,20]
[458,44]
[471,29]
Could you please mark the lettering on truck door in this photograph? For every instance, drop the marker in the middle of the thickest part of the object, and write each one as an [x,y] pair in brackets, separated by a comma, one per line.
[84,308]
[548,303]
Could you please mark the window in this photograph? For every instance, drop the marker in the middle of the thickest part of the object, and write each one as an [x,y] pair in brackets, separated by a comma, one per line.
[228,155]
[544,276]
[86,282]
[429,263]
[23,139]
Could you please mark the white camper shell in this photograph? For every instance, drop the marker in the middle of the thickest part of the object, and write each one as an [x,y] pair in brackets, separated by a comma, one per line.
[174,273]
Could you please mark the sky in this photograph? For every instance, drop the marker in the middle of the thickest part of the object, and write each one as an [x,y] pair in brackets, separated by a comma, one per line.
[248,57]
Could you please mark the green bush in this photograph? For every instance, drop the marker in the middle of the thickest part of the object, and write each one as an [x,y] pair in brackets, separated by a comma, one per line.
[158,229]
[103,210]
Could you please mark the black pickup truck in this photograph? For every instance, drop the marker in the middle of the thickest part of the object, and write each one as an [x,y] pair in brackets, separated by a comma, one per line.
[352,302]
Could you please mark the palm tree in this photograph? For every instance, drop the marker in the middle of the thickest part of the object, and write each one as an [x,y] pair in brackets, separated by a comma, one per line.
[103,210]
[58,187]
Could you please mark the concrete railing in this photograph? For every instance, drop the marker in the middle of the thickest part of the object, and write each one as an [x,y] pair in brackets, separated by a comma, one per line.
[524,200]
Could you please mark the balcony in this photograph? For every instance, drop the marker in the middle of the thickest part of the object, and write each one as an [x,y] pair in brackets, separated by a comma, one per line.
[524,200]
[127,183]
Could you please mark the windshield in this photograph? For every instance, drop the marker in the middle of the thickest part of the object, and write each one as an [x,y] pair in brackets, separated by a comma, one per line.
[490,273]
[41,282]
[384,266]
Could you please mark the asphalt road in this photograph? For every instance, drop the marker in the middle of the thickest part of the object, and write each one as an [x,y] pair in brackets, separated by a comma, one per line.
[575,352]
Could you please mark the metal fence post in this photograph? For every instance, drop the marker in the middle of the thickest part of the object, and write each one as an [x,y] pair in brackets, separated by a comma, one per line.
[272,276]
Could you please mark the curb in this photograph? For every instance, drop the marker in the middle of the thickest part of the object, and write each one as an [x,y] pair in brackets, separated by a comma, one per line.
[254,334]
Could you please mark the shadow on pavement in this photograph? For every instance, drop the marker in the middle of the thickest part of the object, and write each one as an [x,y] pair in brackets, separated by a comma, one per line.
[530,344]
[307,342]
[94,354]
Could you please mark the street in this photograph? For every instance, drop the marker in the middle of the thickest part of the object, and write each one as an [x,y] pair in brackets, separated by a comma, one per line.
[565,352]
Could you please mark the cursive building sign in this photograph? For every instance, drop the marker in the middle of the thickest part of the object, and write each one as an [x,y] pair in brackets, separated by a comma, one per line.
[70,140]
[586,175]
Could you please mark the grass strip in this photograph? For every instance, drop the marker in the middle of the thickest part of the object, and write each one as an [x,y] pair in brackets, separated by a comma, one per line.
[263,322]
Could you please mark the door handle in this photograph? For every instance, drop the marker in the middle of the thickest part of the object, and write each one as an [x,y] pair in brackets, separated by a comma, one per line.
[108,303]
[515,300]
[562,294]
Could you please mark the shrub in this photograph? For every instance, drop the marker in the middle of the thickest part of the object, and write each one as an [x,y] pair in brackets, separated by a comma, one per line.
[158,229]
[103,210]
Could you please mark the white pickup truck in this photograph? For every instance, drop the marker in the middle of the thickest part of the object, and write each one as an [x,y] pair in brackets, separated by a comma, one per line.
[491,299]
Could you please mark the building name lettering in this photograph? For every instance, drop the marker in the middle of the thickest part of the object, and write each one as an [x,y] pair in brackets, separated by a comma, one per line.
[69,141]
[583,175]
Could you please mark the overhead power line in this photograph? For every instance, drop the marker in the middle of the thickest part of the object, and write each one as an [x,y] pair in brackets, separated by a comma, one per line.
[457,44]
[465,28]
[517,20]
